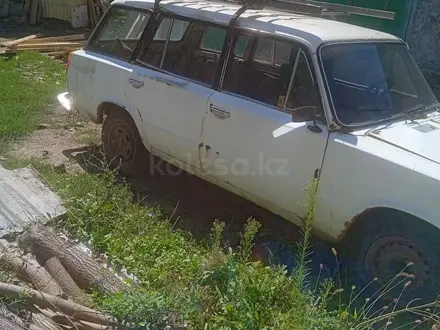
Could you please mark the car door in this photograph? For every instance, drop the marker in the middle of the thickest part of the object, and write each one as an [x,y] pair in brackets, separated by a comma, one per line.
[252,143]
[170,86]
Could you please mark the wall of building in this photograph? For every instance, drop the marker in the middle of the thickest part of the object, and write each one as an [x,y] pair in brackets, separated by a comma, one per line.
[11,8]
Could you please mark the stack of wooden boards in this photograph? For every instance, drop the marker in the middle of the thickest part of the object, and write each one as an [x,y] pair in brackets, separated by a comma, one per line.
[58,47]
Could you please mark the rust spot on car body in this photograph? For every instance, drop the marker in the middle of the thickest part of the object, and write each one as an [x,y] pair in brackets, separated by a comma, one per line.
[347,226]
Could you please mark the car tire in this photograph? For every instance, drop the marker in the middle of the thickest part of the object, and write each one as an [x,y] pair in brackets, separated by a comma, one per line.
[122,144]
[385,244]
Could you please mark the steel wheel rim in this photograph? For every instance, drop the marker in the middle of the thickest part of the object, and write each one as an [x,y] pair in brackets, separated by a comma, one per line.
[121,143]
[389,257]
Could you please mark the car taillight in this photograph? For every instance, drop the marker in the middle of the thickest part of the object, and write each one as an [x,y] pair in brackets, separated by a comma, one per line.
[68,61]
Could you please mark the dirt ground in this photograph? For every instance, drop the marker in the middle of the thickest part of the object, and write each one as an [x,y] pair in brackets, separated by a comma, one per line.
[69,140]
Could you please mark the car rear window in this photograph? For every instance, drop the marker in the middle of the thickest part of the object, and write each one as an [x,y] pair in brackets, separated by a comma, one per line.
[119,32]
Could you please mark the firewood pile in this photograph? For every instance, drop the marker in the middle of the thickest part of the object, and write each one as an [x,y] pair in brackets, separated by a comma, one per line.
[55,279]
[57,47]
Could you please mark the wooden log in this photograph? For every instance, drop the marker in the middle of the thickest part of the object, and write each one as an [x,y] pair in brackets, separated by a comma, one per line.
[5,324]
[18,41]
[60,274]
[42,321]
[36,327]
[11,317]
[85,271]
[31,272]
[45,300]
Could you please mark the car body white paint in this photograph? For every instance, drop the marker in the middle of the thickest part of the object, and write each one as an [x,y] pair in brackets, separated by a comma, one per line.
[393,166]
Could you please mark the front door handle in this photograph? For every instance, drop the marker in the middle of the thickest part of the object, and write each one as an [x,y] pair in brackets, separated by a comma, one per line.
[136,83]
[219,112]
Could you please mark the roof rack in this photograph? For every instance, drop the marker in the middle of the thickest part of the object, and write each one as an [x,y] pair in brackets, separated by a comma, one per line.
[317,8]
[308,7]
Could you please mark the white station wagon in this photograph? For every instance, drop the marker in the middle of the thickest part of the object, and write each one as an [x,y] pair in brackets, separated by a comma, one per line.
[259,101]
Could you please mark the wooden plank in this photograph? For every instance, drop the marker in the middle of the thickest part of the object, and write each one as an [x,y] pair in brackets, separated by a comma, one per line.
[50,44]
[19,41]
[42,49]
[49,47]
[73,37]
[34,11]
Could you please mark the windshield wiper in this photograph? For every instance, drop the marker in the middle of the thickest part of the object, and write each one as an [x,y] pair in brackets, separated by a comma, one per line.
[372,108]
[379,109]
[422,107]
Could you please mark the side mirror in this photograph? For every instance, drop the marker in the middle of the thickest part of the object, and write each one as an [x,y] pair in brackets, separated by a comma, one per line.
[306,113]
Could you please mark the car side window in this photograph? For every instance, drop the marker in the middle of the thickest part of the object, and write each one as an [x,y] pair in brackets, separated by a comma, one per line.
[119,32]
[267,76]
[273,52]
[193,51]
[214,38]
[177,31]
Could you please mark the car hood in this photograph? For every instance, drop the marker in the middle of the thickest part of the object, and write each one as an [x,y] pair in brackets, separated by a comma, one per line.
[421,137]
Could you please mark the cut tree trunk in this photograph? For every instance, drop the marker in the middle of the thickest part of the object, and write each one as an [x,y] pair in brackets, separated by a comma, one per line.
[45,300]
[5,324]
[31,272]
[43,322]
[85,271]
[60,274]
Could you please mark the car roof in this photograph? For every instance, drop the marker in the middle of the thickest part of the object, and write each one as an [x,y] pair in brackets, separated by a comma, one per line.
[311,30]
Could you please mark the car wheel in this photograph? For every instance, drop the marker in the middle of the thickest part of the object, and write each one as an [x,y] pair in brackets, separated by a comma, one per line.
[397,258]
[122,144]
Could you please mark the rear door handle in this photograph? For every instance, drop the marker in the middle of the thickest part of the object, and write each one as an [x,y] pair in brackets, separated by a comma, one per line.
[219,112]
[136,83]
[170,82]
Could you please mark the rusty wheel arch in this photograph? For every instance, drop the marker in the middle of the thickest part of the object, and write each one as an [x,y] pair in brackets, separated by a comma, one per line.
[105,108]
[360,220]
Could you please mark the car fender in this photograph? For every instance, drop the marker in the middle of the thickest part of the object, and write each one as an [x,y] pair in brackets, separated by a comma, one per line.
[134,113]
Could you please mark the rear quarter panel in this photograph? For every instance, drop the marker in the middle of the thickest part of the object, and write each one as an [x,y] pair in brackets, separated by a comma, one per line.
[94,79]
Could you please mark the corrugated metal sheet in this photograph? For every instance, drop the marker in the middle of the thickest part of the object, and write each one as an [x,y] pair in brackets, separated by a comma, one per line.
[25,199]
[60,9]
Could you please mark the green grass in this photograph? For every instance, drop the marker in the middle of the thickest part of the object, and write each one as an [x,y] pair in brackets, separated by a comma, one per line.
[202,284]
[29,83]
[180,280]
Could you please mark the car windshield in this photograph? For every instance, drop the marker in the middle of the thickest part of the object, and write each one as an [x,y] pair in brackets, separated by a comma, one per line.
[374,81]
